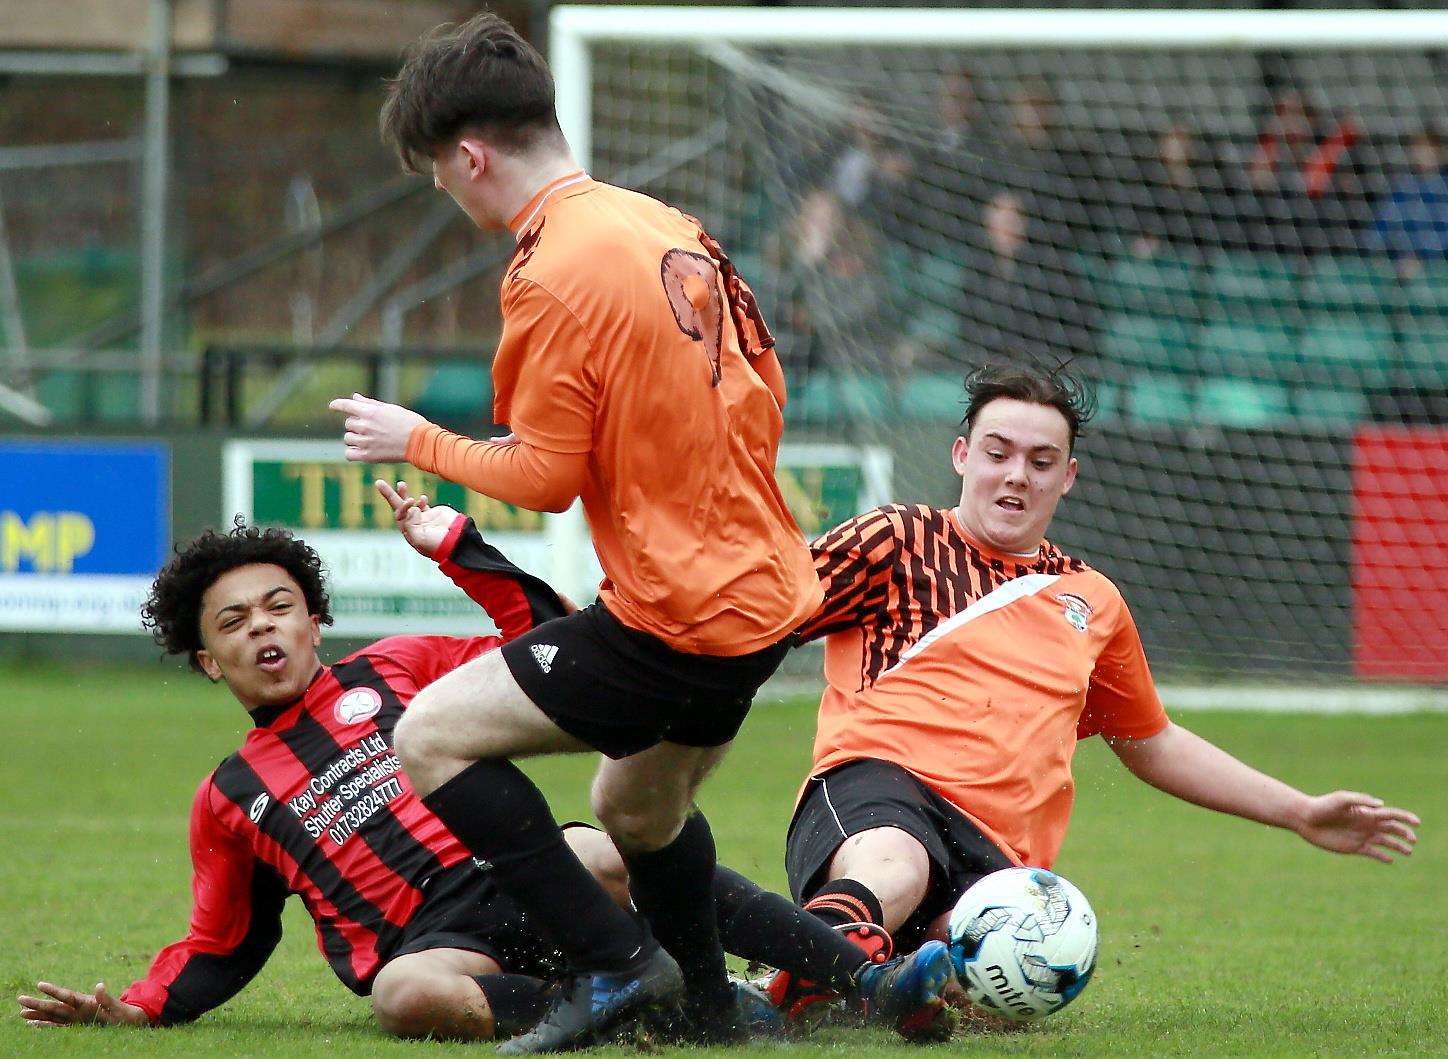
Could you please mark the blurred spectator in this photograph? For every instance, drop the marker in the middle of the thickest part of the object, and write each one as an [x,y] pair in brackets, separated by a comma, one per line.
[1187,208]
[951,175]
[957,112]
[1412,221]
[865,178]
[1308,191]
[1059,167]
[836,309]
[868,173]
[1021,294]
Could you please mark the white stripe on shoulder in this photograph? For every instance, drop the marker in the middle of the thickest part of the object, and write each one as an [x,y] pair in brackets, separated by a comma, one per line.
[577,178]
[1008,593]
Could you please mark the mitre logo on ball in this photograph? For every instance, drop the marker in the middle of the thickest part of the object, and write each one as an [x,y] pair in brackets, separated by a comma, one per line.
[358,705]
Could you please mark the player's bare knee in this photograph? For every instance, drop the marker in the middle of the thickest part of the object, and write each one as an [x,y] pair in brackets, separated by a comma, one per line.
[413,742]
[636,829]
[408,1005]
[600,856]
[884,854]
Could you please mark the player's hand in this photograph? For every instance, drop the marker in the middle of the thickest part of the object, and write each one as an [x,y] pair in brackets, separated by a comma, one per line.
[375,431]
[423,525]
[1349,822]
[67,1007]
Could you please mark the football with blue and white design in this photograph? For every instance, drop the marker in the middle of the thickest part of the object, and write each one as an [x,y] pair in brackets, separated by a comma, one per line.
[1023,941]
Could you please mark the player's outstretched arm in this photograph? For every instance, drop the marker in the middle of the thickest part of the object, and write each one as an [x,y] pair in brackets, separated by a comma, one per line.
[375,431]
[1183,764]
[59,1006]
[423,525]
[505,469]
[513,598]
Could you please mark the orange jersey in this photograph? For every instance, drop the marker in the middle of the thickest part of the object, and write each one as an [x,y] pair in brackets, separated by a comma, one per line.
[975,671]
[628,336]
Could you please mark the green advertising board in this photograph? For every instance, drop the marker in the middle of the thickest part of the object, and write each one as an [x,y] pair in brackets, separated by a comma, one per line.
[380,586]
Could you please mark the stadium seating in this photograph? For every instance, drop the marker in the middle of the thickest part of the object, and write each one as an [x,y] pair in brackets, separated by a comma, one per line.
[1366,286]
[1426,293]
[1346,350]
[1325,405]
[1423,354]
[1162,286]
[932,395]
[457,393]
[1231,402]
[63,392]
[929,287]
[1154,398]
[1247,349]
[827,397]
[1141,341]
[115,398]
[1259,287]
[1109,401]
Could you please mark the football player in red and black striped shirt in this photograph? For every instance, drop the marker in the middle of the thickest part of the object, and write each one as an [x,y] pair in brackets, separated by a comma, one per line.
[315,804]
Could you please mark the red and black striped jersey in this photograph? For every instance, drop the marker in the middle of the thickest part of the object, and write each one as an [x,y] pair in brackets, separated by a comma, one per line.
[315,803]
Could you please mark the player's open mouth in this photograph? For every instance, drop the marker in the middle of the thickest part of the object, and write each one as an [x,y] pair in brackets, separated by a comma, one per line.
[1011,503]
[271,658]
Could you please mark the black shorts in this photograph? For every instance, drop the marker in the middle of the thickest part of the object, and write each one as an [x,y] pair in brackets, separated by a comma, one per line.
[462,908]
[861,795]
[621,691]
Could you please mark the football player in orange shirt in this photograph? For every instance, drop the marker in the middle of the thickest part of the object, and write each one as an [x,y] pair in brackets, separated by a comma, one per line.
[965,657]
[637,375]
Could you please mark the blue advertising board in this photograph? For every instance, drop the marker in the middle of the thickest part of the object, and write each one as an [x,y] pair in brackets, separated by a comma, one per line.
[84,526]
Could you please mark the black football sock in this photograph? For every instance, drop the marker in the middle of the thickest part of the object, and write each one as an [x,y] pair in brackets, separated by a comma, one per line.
[495,810]
[846,901]
[764,927]
[673,888]
[517,1001]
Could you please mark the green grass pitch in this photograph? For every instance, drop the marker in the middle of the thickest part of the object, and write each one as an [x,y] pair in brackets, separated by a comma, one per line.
[1218,937]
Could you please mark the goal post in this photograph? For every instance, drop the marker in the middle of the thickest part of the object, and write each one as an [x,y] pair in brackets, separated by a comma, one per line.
[1225,220]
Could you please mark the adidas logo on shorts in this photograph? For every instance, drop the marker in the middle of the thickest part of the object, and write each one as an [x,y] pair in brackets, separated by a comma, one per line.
[544,653]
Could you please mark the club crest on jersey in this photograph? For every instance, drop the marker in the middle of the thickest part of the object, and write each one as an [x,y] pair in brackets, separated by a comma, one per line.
[358,705]
[1078,612]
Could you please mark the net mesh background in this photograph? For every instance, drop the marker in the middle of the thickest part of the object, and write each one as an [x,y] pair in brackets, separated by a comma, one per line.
[1243,253]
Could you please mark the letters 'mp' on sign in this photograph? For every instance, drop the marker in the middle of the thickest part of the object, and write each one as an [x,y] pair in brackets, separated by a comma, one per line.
[84,526]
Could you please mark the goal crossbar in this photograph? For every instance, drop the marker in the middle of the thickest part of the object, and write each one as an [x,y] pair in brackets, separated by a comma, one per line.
[574,28]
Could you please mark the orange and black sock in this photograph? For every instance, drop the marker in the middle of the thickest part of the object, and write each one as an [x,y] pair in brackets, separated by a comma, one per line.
[846,901]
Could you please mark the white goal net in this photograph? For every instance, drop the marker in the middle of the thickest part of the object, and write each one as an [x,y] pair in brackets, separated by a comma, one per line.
[1233,224]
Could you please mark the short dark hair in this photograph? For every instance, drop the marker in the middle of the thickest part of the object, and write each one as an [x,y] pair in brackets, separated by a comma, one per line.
[1056,387]
[480,75]
[173,610]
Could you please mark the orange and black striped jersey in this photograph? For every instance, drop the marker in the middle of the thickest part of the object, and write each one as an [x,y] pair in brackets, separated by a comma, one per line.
[975,670]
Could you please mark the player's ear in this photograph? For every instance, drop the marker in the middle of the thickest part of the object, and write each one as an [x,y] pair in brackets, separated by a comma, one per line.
[208,665]
[1070,476]
[475,155]
[958,453]
[316,631]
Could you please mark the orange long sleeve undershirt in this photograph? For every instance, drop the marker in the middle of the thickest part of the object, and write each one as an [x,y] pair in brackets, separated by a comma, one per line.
[514,472]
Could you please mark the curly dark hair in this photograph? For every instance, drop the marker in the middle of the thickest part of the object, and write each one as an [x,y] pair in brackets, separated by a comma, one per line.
[1054,386]
[173,610]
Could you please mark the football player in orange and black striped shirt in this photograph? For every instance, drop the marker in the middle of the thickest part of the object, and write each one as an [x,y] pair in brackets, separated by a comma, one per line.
[965,658]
